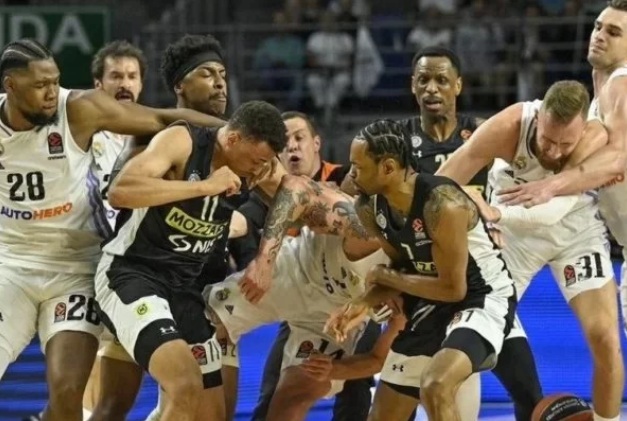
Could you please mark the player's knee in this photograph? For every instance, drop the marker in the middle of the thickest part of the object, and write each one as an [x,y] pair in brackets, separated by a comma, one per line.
[435,386]
[605,342]
[184,391]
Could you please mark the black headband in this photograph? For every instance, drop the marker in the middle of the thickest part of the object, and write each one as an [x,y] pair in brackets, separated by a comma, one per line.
[192,63]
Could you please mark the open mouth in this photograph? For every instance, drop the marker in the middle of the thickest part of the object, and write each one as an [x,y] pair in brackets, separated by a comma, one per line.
[294,159]
[124,96]
[432,103]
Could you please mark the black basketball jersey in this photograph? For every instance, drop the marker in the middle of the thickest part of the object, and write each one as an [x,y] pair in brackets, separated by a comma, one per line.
[428,154]
[486,269]
[174,241]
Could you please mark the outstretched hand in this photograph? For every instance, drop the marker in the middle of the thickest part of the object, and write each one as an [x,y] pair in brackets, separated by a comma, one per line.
[345,319]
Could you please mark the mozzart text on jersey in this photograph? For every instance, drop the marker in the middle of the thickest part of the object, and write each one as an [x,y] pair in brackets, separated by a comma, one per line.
[36,214]
[194,227]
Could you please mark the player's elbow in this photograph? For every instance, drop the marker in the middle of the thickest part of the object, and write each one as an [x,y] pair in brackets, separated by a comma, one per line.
[118,195]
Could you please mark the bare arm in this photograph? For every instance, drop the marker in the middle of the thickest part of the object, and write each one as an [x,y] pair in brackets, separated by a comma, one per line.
[321,208]
[449,214]
[239,225]
[141,184]
[497,137]
[92,111]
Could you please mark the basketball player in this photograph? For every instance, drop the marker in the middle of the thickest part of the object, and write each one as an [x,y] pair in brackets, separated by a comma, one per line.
[182,190]
[462,337]
[118,69]
[317,271]
[437,132]
[535,139]
[52,218]
[606,166]
[314,274]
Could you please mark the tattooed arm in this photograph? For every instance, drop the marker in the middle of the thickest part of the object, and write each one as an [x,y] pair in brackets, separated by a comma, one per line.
[449,215]
[323,209]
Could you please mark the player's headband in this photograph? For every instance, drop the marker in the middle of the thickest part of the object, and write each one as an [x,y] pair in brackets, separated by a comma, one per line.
[193,62]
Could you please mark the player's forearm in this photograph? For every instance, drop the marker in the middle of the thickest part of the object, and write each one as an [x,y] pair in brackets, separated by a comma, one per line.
[291,201]
[131,191]
[599,169]
[546,214]
[430,288]
[171,115]
[356,367]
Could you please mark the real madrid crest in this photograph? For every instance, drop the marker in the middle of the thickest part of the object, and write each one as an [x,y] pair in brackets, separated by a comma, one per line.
[381,221]
[520,162]
[98,149]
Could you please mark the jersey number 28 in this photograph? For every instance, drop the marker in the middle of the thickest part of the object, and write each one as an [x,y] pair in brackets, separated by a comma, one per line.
[29,185]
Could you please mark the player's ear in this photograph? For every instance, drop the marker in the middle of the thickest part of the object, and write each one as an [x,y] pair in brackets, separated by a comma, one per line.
[413,90]
[178,89]
[389,166]
[458,86]
[232,138]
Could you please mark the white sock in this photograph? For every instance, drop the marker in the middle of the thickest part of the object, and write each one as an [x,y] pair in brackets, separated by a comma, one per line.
[86,414]
[597,417]
[468,398]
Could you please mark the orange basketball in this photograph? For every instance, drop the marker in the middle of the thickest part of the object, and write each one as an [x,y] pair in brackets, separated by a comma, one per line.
[562,407]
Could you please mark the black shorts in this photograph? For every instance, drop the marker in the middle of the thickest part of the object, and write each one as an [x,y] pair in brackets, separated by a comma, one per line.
[144,313]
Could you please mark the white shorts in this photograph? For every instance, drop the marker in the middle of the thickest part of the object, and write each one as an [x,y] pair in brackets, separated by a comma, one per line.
[582,266]
[239,317]
[38,301]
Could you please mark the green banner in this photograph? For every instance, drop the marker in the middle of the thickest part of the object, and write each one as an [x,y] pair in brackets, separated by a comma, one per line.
[73,33]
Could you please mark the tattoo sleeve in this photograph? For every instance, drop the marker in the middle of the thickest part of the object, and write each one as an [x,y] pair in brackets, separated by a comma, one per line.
[305,201]
[448,195]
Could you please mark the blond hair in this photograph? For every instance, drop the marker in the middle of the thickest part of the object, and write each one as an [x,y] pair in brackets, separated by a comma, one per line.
[565,100]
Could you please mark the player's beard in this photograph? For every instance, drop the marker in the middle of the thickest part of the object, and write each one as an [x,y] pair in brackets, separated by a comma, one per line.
[41,119]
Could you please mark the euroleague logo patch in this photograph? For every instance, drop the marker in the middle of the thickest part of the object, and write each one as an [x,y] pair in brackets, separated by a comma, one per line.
[55,143]
[570,276]
[60,312]
[200,353]
[305,349]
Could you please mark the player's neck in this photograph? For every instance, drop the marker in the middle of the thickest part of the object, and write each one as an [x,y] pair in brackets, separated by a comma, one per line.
[316,167]
[439,127]
[601,75]
[218,159]
[13,119]
[400,193]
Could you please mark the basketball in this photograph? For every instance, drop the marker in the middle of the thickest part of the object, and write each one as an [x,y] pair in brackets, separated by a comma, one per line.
[562,407]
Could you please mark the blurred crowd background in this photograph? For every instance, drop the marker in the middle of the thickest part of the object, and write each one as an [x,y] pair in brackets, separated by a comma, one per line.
[348,61]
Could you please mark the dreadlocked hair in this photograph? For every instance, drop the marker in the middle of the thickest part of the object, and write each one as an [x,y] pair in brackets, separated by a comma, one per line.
[18,54]
[387,139]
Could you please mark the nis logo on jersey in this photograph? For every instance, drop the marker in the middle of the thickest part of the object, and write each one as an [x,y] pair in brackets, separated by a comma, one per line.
[207,231]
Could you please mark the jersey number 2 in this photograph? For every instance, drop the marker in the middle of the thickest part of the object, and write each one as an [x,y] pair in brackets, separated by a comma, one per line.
[34,182]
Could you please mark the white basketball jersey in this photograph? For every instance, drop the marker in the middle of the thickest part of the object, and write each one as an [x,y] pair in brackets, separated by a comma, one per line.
[318,260]
[613,197]
[524,168]
[51,215]
[106,147]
